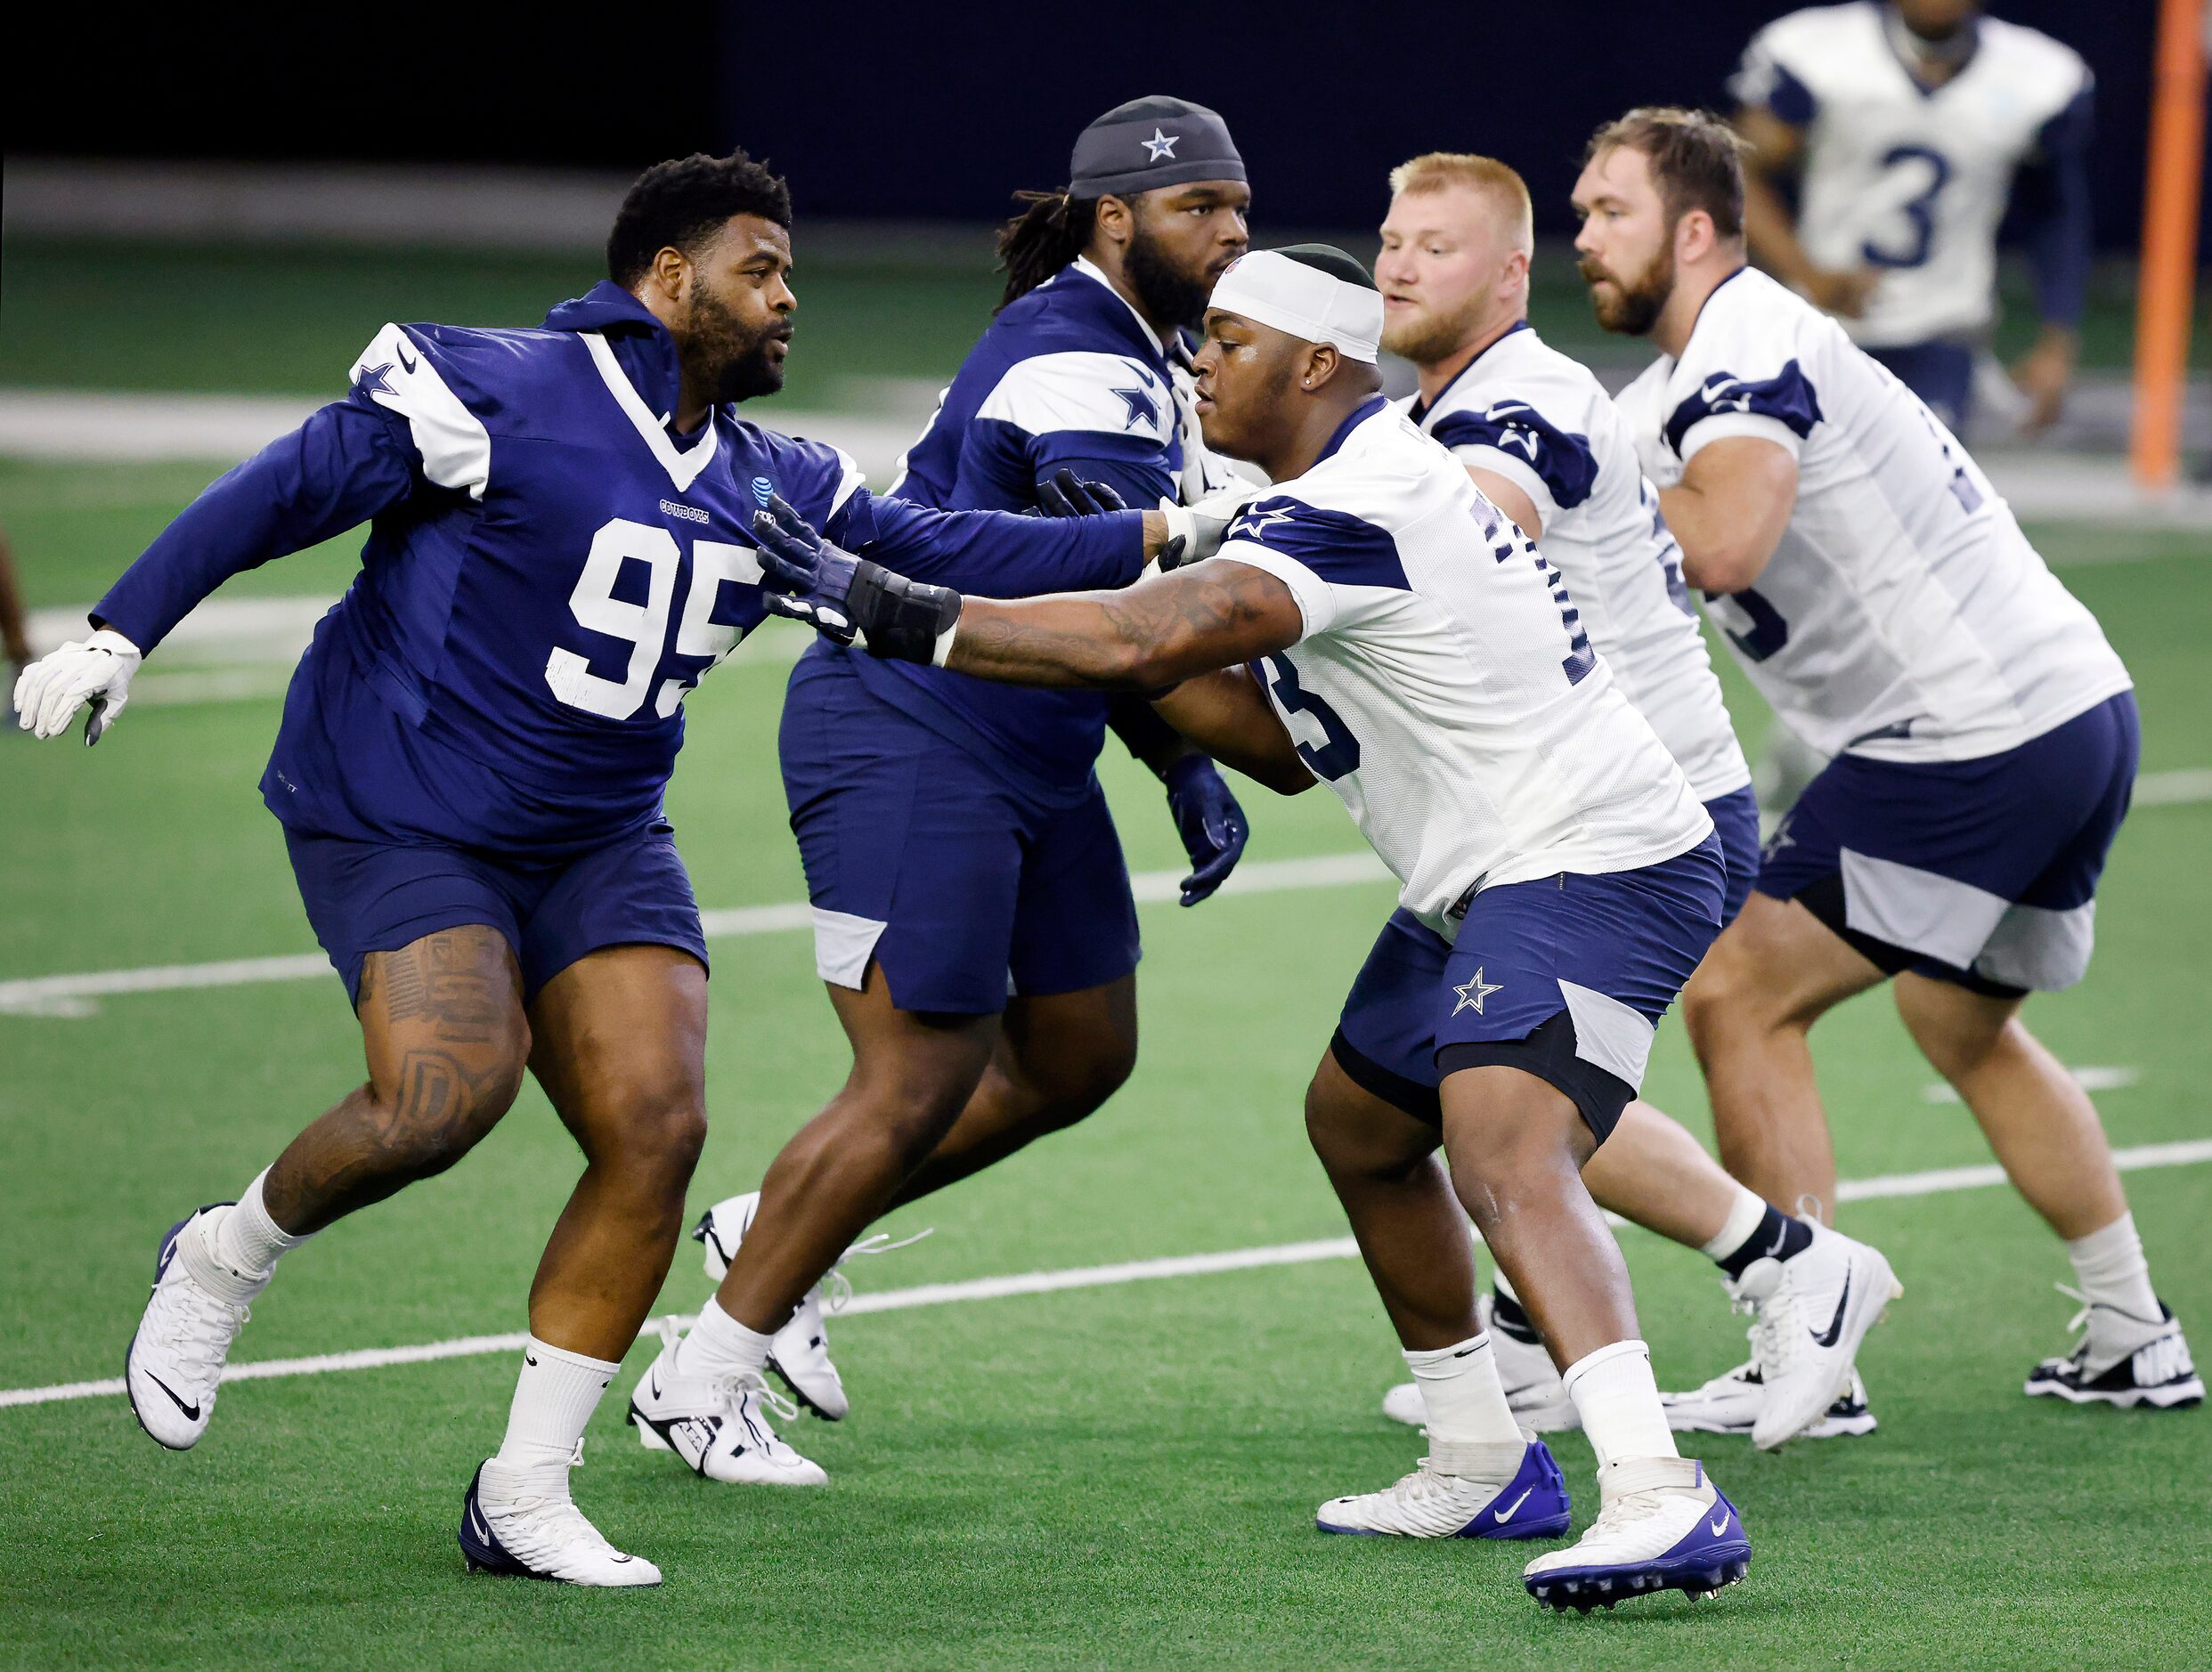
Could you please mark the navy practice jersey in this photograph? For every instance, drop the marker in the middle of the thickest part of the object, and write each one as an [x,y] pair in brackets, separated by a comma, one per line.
[548,571]
[1066,377]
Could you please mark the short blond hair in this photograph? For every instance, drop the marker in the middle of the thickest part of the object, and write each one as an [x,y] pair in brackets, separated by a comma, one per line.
[1439,171]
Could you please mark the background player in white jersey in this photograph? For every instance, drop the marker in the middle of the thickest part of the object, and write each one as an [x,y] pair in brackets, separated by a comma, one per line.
[1544,442]
[1883,599]
[1907,124]
[1559,882]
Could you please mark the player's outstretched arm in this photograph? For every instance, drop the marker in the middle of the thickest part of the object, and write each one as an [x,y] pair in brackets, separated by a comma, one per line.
[1730,509]
[1162,630]
[338,469]
[1227,715]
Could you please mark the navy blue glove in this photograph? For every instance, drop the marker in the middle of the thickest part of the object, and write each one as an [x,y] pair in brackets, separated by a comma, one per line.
[1067,494]
[1211,824]
[842,596]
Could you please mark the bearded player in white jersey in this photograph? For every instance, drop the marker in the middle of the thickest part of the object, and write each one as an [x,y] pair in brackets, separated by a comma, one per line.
[1984,735]
[1406,645]
[1543,442]
[1910,125]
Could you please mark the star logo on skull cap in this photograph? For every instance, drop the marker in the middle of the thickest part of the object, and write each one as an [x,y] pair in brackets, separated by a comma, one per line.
[1160,146]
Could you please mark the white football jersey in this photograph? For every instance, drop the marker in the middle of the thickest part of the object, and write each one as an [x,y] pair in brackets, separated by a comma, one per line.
[1906,180]
[1904,616]
[1443,686]
[1541,420]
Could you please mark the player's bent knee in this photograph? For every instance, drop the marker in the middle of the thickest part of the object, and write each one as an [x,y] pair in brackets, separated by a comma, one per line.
[434,1104]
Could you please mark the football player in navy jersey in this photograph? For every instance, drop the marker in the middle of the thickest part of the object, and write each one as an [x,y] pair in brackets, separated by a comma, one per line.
[973,919]
[469,775]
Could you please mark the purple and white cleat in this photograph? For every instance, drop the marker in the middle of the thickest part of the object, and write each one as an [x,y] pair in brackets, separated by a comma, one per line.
[1663,1527]
[1455,1493]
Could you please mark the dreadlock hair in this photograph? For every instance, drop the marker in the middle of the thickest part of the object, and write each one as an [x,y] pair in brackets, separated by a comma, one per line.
[680,203]
[1053,228]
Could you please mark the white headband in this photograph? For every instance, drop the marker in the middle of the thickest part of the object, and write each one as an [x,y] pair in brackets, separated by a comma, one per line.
[1271,288]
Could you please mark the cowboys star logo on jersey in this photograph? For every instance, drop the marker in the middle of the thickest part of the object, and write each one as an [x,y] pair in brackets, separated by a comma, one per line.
[1512,435]
[1254,523]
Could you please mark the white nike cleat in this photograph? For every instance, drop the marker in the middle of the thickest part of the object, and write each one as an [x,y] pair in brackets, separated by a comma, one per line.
[1730,1404]
[799,1353]
[524,1523]
[174,1366]
[1662,1527]
[1533,1391]
[720,1427]
[1811,1313]
[2121,1360]
[1456,1493]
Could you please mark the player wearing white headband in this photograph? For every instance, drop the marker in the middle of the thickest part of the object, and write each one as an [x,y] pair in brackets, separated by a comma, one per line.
[1372,621]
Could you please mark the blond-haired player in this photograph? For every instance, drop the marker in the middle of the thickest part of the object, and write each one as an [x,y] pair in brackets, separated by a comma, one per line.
[1542,440]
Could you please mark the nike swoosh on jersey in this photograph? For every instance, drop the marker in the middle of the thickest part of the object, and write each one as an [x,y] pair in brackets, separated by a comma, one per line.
[410,364]
[1507,1513]
[1835,1324]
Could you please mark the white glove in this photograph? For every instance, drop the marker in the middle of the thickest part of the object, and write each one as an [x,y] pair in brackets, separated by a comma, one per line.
[1195,531]
[97,670]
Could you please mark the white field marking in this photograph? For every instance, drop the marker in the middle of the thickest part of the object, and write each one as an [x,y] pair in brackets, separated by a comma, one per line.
[2087,1079]
[1288,1254]
[65,995]
[73,995]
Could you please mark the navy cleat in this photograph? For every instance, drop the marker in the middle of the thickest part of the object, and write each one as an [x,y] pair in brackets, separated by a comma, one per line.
[522,1522]
[2135,1363]
[1454,1493]
[1665,1527]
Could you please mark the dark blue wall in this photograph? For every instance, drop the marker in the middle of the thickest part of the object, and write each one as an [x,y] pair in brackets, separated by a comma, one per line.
[921,112]
[918,111]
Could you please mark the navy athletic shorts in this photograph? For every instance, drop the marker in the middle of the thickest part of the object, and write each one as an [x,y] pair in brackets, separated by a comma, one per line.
[1565,977]
[1983,873]
[378,896]
[965,887]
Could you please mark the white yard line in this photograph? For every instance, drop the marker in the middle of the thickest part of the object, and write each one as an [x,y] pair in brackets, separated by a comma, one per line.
[77,995]
[1288,1254]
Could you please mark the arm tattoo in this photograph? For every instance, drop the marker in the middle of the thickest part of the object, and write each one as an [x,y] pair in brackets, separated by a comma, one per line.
[1214,614]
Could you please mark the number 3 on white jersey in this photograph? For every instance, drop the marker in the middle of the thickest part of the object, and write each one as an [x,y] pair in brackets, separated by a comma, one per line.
[644,625]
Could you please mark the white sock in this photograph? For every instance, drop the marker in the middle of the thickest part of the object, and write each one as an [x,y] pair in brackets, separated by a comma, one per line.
[719,1346]
[554,1398]
[1618,1401]
[2111,1269]
[1745,1216]
[1465,1399]
[247,1240]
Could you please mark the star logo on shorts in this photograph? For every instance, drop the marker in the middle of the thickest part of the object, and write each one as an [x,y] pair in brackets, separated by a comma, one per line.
[1473,993]
[1160,146]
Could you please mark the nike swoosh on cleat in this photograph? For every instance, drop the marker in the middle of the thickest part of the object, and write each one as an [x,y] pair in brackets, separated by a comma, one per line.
[1507,1513]
[1835,1324]
[476,1524]
[192,1412]
[1718,1527]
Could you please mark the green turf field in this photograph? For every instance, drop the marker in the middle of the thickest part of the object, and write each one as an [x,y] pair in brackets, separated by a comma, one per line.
[1110,1475]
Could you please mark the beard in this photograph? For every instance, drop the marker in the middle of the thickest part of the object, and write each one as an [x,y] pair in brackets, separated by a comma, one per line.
[728,359]
[1632,309]
[1166,295]
[1432,337]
